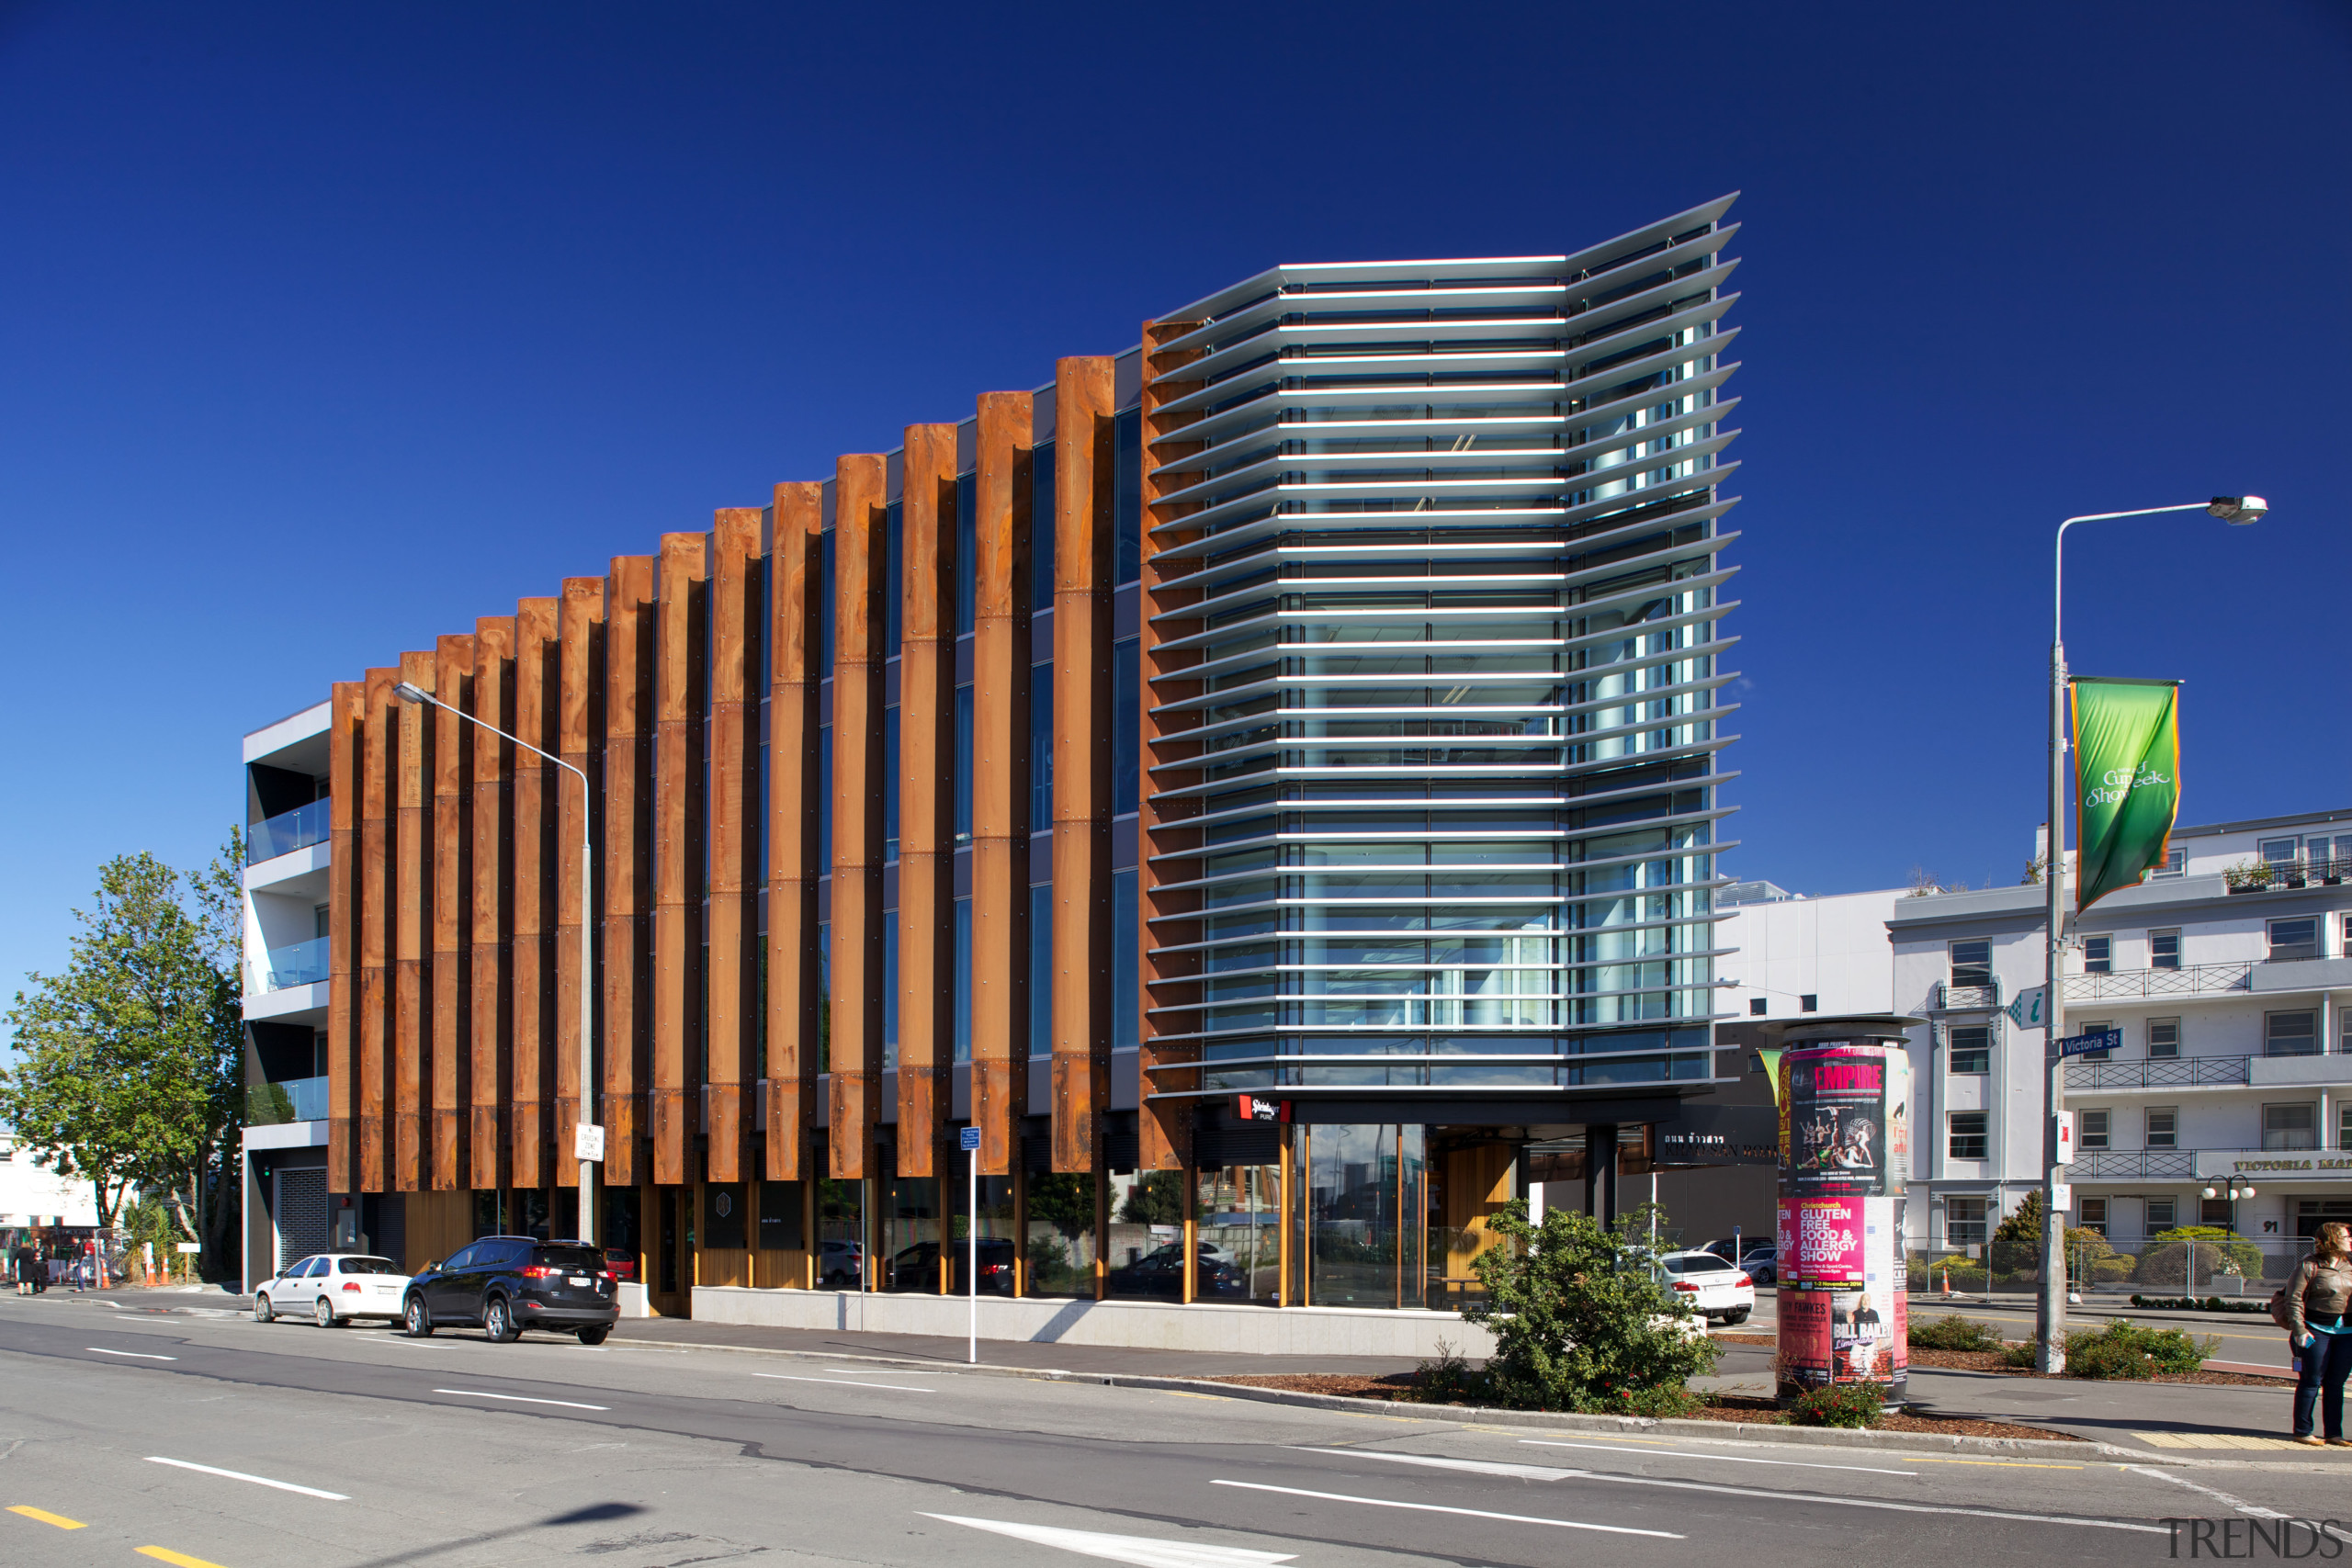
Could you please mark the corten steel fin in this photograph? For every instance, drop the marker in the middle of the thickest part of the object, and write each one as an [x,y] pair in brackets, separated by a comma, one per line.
[489,970]
[629,627]
[580,723]
[1085,525]
[795,683]
[734,687]
[1000,779]
[412,934]
[1168,979]
[678,612]
[347,744]
[859,545]
[376,1028]
[531,987]
[452,1069]
[926,786]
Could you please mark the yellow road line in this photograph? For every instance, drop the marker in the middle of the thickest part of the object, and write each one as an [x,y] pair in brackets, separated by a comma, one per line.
[59,1521]
[180,1559]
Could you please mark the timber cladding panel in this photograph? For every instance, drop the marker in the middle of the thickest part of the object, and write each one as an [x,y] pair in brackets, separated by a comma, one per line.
[625,1028]
[1000,779]
[733,1039]
[489,962]
[1085,529]
[860,540]
[412,914]
[531,892]
[926,786]
[450,1034]
[678,873]
[347,746]
[580,730]
[795,1002]
[1168,979]
[376,1026]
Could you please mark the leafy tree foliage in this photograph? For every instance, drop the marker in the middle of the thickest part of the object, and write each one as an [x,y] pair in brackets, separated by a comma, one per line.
[1157,1199]
[128,1062]
[1582,1320]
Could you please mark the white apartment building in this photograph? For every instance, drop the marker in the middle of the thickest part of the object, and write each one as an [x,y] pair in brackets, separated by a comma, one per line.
[287,850]
[2227,973]
[33,1193]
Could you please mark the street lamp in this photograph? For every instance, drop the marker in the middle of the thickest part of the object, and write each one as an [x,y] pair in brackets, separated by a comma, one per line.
[413,694]
[2049,1319]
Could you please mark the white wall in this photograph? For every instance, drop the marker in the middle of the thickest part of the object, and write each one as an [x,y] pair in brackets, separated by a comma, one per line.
[1834,949]
[29,1187]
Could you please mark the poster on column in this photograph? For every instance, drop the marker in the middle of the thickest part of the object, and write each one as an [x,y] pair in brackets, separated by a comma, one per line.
[1844,1110]
[1853,1325]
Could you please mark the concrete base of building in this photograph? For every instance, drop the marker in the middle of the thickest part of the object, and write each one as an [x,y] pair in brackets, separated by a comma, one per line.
[632,1301]
[1248,1330]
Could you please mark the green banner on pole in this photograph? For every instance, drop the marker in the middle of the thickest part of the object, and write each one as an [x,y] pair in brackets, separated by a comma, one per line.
[2127,782]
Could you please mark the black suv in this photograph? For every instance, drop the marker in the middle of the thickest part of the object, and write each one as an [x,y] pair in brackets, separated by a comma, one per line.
[508,1283]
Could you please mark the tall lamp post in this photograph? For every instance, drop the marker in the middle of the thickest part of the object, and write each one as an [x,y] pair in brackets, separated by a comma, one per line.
[2049,1319]
[410,694]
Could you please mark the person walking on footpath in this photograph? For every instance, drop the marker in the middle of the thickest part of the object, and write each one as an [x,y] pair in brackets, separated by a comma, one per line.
[2318,1294]
[26,1261]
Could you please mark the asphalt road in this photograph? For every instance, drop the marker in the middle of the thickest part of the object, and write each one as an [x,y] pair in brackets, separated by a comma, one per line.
[212,1440]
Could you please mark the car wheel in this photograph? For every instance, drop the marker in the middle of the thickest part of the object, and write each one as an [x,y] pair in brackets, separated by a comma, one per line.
[261,1310]
[498,1323]
[416,1320]
[594,1335]
[324,1310]
[1737,1315]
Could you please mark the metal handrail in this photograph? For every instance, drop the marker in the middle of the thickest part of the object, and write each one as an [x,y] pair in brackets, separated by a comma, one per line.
[2168,1072]
[2191,979]
[2177,1165]
[1967,998]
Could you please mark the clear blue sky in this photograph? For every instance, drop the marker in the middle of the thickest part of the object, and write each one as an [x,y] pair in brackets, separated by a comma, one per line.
[324,329]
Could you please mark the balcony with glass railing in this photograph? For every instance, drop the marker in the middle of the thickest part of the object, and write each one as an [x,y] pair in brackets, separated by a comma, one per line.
[295,1100]
[296,964]
[286,832]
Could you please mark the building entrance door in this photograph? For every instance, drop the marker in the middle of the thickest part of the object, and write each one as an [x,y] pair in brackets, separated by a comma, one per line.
[669,1252]
[300,1213]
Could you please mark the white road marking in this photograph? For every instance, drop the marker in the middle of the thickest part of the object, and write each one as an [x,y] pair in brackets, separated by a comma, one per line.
[1727,1459]
[256,1479]
[893,1387]
[134,1355]
[1143,1551]
[1467,1513]
[519,1399]
[2240,1504]
[1541,1472]
[880,1373]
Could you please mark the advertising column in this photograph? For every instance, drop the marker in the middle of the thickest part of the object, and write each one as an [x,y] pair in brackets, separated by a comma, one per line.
[1845,1142]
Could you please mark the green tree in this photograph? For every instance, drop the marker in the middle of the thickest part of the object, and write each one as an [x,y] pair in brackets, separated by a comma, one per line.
[128,1070]
[1581,1318]
[1157,1199]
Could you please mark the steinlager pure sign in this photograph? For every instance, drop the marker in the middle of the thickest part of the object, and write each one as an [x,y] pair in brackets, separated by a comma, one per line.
[2127,782]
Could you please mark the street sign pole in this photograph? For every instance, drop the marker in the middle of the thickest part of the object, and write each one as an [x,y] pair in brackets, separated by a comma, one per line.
[971,1140]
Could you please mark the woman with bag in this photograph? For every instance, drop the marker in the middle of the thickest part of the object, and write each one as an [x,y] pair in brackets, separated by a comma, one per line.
[2318,1294]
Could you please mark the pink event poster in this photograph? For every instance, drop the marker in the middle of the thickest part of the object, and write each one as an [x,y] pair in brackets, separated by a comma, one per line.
[1822,1240]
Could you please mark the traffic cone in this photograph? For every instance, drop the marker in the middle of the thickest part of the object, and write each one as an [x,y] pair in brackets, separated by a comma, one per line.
[1947,1279]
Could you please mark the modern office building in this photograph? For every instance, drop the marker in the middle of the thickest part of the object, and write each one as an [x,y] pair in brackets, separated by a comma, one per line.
[1265,782]
[2226,974]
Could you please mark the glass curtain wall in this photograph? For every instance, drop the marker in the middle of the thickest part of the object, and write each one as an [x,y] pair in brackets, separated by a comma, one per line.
[1452,527]
[1237,1222]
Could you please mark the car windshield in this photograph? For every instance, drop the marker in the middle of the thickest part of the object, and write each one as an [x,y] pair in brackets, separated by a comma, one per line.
[575,1260]
[368,1266]
[1694,1263]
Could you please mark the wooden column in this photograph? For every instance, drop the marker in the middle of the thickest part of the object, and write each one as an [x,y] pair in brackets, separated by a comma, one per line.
[346,745]
[1168,979]
[735,624]
[793,690]
[488,968]
[630,620]
[1085,522]
[678,856]
[378,886]
[538,786]
[412,928]
[859,542]
[579,725]
[926,786]
[1001,782]
[452,1062]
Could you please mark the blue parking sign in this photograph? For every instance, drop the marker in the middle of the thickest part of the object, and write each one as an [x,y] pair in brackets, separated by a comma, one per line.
[968,1139]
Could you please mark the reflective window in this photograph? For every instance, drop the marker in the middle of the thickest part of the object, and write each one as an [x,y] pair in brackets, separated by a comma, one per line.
[1968,1134]
[1972,1049]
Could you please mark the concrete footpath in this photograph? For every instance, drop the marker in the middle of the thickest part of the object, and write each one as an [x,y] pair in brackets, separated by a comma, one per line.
[2159,1420]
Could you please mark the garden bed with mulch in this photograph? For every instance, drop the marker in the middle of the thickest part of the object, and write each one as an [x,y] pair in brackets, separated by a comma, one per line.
[1731,1407]
[1992,1361]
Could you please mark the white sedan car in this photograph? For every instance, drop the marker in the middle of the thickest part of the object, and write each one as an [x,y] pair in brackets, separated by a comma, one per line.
[1721,1293]
[331,1289]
